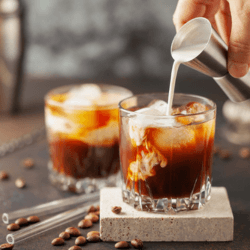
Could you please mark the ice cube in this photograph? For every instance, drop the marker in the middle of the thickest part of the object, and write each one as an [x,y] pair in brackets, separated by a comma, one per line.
[195,107]
[163,138]
[104,136]
[192,108]
[77,101]
[91,91]
[58,123]
[139,123]
[137,129]
[179,111]
[159,105]
[83,95]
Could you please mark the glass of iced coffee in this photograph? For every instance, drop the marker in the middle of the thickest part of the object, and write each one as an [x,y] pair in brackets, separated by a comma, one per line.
[166,160]
[83,132]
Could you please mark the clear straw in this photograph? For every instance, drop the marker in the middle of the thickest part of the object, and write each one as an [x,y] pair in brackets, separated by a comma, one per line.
[50,207]
[48,224]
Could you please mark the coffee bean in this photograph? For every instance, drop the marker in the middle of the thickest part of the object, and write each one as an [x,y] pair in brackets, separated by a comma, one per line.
[73,231]
[122,245]
[85,223]
[97,213]
[20,183]
[244,153]
[93,236]
[22,222]
[80,241]
[57,242]
[224,154]
[13,227]
[97,208]
[64,235]
[33,219]
[75,248]
[6,246]
[92,233]
[28,163]
[3,175]
[216,149]
[91,209]
[116,209]
[91,216]
[136,243]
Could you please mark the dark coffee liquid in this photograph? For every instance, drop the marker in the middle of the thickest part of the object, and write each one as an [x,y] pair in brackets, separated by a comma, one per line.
[77,159]
[189,160]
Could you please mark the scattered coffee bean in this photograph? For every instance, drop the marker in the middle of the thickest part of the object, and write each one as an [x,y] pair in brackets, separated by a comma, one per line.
[28,163]
[73,231]
[64,235]
[6,246]
[33,219]
[3,175]
[72,189]
[80,241]
[224,154]
[20,183]
[22,222]
[91,209]
[93,236]
[244,153]
[97,208]
[216,149]
[97,213]
[136,243]
[85,223]
[75,248]
[13,227]
[116,209]
[122,245]
[93,232]
[91,216]
[57,242]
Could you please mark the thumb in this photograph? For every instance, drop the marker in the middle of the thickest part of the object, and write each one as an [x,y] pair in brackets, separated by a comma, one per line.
[239,43]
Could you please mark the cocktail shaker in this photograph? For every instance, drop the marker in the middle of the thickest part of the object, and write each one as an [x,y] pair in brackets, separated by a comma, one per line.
[199,46]
[11,54]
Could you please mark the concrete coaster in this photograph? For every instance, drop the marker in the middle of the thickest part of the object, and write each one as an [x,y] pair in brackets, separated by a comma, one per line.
[214,222]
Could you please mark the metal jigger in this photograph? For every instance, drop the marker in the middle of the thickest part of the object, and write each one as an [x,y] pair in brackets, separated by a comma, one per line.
[210,58]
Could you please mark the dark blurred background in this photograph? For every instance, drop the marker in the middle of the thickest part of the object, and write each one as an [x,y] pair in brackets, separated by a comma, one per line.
[121,42]
[51,43]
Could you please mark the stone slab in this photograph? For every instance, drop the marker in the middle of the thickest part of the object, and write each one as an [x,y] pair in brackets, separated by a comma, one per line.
[214,222]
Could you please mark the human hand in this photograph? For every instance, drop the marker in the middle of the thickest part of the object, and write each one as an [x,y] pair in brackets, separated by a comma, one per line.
[231,19]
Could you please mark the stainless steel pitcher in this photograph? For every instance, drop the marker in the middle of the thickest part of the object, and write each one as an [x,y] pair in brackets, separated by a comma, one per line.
[11,54]
[211,57]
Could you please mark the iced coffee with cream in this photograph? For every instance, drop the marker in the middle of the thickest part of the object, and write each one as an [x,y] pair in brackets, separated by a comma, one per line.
[166,159]
[83,133]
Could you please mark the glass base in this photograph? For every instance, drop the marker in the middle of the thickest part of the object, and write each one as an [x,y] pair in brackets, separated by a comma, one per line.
[86,185]
[165,205]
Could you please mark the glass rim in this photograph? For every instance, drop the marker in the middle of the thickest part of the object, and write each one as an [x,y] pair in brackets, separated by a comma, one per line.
[83,107]
[212,109]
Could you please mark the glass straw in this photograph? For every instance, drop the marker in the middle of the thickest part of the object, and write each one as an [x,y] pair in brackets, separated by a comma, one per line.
[48,224]
[50,207]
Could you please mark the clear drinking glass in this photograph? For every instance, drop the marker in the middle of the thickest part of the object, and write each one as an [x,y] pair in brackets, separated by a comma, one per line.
[166,161]
[82,131]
